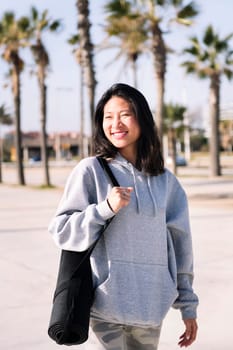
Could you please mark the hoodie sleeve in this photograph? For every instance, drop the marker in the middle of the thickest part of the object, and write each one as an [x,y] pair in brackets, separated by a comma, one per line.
[179,229]
[79,217]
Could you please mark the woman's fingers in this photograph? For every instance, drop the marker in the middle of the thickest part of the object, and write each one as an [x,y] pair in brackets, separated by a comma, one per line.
[119,197]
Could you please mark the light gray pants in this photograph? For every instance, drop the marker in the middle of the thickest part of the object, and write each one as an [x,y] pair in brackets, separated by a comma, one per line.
[121,337]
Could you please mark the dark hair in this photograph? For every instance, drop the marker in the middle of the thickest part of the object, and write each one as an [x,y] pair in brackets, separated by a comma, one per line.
[149,155]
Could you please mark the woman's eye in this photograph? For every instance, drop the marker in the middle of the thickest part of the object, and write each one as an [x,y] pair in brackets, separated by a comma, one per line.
[126,115]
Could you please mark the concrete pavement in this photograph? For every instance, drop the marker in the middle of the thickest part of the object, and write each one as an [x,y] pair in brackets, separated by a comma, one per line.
[29,261]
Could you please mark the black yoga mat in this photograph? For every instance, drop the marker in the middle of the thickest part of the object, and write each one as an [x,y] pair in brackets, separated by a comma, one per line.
[69,322]
[73,297]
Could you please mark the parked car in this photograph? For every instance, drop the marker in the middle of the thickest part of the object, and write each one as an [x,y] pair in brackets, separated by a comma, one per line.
[180,160]
[35,159]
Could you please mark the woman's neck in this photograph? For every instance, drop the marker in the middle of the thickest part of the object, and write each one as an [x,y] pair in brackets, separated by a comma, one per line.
[129,156]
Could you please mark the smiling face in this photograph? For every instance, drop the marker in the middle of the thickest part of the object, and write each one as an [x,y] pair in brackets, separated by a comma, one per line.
[121,127]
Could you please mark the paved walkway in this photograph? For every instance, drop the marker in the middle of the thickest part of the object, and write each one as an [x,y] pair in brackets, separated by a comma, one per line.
[29,261]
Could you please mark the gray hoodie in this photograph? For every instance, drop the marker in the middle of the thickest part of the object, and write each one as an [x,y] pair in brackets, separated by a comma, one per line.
[143,264]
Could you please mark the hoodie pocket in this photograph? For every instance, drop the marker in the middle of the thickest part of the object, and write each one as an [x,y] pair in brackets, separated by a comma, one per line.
[137,294]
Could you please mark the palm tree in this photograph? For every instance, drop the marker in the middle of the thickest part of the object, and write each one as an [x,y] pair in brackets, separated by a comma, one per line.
[74,41]
[128,26]
[173,125]
[86,48]
[41,23]
[159,17]
[211,58]
[5,119]
[13,36]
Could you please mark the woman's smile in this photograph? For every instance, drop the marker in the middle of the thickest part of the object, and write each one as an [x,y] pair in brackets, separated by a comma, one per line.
[119,134]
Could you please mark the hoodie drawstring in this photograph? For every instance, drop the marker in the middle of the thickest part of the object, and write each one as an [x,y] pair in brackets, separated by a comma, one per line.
[143,188]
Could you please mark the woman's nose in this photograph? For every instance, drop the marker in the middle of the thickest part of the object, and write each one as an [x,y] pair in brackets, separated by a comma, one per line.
[116,121]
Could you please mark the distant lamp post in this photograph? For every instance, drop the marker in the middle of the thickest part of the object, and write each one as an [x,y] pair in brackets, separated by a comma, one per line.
[187,147]
[57,146]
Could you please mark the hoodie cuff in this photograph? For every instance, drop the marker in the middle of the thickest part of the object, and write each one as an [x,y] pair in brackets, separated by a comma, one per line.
[104,210]
[188,313]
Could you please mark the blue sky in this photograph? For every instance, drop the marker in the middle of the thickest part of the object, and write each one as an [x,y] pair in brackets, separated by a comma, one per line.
[63,79]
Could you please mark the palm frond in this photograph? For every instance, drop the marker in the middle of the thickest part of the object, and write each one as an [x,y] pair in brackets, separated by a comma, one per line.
[229,58]
[228,37]
[34,13]
[202,73]
[8,18]
[44,16]
[118,8]
[188,11]
[189,66]
[162,2]
[74,39]
[209,36]
[173,115]
[194,40]
[23,24]
[183,21]
[176,3]
[5,116]
[221,45]
[204,56]
[55,25]
[228,73]
[193,50]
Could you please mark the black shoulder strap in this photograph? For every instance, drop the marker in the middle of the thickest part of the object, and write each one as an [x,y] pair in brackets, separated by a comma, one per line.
[108,172]
[104,164]
[86,254]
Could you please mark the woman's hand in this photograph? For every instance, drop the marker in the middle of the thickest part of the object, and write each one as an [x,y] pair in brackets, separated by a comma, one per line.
[188,337]
[119,197]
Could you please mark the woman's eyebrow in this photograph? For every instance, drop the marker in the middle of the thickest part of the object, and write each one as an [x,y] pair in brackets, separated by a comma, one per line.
[121,111]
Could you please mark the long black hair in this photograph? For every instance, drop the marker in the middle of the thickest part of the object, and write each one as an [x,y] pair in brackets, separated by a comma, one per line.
[149,156]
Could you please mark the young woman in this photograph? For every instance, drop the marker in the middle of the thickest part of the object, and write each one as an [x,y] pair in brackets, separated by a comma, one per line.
[143,264]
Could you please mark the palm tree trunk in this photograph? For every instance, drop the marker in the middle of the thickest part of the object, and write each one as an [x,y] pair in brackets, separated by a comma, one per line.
[159,52]
[160,105]
[86,47]
[215,169]
[18,136]
[134,70]
[44,148]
